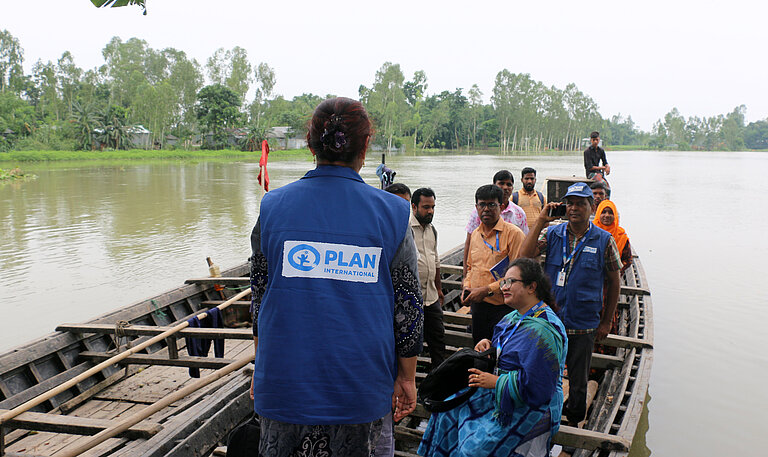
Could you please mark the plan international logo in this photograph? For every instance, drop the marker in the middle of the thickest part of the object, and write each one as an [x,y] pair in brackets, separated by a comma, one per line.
[309,259]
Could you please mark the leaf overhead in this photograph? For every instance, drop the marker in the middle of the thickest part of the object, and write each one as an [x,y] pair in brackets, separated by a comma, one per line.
[119,3]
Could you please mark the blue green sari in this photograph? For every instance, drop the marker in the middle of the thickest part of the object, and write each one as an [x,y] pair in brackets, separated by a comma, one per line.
[520,416]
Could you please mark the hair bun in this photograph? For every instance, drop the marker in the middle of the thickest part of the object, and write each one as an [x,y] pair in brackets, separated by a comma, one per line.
[333,138]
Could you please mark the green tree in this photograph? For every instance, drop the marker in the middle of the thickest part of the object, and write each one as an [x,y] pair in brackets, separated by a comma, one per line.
[16,115]
[253,138]
[265,78]
[68,76]
[504,103]
[186,78]
[156,107]
[11,61]
[733,129]
[218,108]
[475,113]
[216,66]
[294,113]
[125,68]
[116,128]
[45,83]
[674,125]
[386,101]
[436,120]
[86,120]
[416,88]
[239,77]
[756,135]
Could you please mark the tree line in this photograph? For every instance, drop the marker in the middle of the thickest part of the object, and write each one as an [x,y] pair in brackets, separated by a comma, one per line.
[62,106]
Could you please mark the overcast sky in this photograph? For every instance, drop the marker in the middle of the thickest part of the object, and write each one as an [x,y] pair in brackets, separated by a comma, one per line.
[638,58]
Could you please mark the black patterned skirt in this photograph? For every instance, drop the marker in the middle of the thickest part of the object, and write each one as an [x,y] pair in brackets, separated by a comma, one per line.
[280,439]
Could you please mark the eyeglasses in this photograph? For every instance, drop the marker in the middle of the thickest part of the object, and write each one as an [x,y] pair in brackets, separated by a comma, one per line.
[507,282]
[492,205]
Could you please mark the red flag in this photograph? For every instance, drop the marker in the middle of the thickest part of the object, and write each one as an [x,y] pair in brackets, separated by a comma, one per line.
[263,164]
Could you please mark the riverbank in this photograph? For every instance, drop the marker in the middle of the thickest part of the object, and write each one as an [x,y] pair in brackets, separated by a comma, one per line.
[144,154]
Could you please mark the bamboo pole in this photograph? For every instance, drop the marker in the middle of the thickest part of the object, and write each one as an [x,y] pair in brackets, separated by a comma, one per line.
[130,421]
[61,388]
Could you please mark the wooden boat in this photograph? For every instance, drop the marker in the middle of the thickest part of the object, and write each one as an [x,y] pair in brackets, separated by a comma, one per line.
[192,425]
[84,394]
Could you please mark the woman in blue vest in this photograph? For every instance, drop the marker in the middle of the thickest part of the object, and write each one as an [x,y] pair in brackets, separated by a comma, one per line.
[516,411]
[334,271]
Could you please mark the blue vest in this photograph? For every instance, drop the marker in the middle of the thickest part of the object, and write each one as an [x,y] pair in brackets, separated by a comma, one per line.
[326,351]
[581,300]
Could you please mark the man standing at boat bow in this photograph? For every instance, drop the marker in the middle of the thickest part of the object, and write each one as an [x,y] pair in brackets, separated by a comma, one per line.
[580,258]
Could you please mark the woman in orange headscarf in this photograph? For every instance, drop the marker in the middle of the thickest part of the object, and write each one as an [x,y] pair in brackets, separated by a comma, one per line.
[607,218]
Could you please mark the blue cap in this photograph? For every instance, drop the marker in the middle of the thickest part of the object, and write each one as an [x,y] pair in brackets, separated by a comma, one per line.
[579,189]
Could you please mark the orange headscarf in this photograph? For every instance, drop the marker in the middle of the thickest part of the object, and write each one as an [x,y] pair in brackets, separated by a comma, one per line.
[617,232]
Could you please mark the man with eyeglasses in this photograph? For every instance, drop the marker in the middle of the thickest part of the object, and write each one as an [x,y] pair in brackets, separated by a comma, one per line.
[491,247]
[510,211]
[580,258]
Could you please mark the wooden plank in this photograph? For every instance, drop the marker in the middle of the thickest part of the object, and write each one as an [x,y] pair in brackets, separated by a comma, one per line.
[154,359]
[624,342]
[451,269]
[215,429]
[590,440]
[73,403]
[237,304]
[173,348]
[449,284]
[223,281]
[57,423]
[630,290]
[457,318]
[32,392]
[183,423]
[405,454]
[459,339]
[150,330]
[604,361]
[567,436]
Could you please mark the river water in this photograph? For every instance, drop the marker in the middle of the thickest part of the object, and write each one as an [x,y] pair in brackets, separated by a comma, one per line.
[84,239]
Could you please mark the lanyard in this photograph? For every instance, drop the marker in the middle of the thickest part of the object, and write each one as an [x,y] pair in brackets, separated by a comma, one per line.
[567,259]
[517,324]
[486,243]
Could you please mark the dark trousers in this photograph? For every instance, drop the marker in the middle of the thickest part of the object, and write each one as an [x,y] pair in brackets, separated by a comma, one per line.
[578,360]
[434,333]
[485,316]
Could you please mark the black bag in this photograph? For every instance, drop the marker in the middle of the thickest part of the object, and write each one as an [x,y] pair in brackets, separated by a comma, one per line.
[452,376]
[243,441]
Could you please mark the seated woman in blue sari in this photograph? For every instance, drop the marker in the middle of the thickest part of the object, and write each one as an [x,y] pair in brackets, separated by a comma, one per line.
[517,410]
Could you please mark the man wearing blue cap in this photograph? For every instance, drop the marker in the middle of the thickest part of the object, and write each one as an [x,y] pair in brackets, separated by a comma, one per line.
[580,258]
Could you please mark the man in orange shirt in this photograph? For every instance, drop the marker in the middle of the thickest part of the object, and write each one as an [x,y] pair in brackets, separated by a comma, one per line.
[528,198]
[492,246]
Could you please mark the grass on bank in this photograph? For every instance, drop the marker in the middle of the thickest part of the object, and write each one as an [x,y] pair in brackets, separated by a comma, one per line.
[143,154]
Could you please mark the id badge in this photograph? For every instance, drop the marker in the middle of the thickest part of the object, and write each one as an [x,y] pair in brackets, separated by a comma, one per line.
[561,278]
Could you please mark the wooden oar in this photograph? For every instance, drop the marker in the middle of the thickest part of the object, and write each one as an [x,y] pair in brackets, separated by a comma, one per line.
[130,421]
[61,388]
